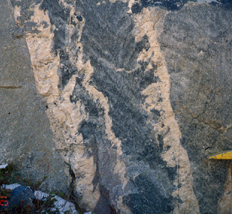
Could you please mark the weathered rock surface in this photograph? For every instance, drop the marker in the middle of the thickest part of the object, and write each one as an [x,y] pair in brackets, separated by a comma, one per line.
[21,196]
[26,138]
[132,96]
[201,92]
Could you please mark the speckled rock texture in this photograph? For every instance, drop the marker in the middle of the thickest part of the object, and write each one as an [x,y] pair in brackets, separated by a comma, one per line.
[123,99]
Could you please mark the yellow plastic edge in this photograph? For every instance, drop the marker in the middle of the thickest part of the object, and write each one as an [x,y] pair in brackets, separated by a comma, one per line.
[226,155]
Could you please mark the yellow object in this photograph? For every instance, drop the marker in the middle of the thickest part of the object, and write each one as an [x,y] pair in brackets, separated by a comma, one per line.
[226,155]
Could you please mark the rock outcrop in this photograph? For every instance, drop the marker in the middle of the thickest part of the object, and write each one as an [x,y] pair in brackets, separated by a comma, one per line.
[18,195]
[122,98]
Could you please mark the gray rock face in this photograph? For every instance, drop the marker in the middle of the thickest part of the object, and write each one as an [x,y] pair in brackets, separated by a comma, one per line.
[25,134]
[136,95]
[129,121]
[198,52]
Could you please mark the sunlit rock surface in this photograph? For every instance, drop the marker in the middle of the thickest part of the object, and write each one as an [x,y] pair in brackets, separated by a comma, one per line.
[122,98]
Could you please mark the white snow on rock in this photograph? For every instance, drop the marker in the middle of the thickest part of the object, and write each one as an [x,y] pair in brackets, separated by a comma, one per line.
[40,195]
[64,205]
[3,166]
[10,186]
[60,204]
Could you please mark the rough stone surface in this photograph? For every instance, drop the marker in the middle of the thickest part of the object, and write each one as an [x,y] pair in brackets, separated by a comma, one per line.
[132,96]
[19,194]
[201,92]
[25,135]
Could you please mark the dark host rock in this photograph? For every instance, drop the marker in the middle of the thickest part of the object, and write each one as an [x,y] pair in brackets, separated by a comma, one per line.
[19,194]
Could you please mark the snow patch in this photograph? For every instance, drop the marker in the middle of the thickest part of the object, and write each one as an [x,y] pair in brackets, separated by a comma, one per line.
[3,166]
[60,204]
[10,186]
